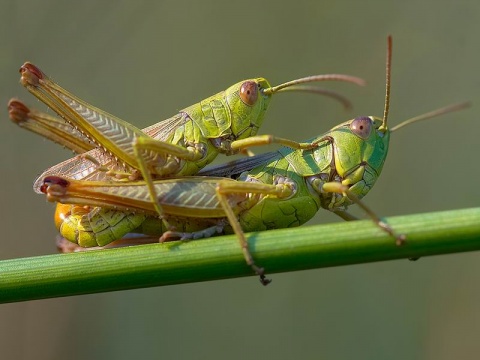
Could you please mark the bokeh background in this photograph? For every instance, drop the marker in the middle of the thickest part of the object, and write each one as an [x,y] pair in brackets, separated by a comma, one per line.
[143,61]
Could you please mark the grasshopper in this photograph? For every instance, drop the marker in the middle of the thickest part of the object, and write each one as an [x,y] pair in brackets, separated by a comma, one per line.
[274,190]
[182,145]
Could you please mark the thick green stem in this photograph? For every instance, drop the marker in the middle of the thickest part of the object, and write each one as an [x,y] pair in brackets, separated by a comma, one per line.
[220,258]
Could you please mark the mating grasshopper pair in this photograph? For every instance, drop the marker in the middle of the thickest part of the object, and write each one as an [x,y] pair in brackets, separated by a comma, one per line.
[122,179]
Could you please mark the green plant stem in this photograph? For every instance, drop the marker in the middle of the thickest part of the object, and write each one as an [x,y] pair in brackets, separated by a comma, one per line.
[220,258]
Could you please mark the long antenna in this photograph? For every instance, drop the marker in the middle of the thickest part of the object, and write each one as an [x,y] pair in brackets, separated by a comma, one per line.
[431,114]
[314,78]
[383,127]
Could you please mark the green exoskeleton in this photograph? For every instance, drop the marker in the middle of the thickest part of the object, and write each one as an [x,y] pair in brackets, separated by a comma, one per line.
[182,145]
[274,190]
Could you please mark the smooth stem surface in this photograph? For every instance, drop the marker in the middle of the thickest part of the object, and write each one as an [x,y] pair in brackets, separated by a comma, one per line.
[221,257]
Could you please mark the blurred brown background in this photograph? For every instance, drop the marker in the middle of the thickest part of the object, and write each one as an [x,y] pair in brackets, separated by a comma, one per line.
[143,61]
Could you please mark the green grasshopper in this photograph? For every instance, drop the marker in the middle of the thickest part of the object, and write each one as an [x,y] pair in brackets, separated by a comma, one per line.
[182,145]
[274,190]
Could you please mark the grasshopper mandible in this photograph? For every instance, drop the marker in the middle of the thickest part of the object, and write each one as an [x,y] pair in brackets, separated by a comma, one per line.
[274,190]
[182,145]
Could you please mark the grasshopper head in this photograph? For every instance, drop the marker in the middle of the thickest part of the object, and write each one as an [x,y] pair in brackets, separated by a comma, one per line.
[361,147]
[248,104]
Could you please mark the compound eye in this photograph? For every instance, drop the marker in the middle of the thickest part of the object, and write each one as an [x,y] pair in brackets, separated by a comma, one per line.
[362,126]
[249,93]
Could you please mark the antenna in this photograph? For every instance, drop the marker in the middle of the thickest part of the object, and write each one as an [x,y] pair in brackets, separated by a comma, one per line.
[431,114]
[383,128]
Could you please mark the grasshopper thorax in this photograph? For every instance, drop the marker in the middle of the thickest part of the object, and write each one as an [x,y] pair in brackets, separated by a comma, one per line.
[235,113]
